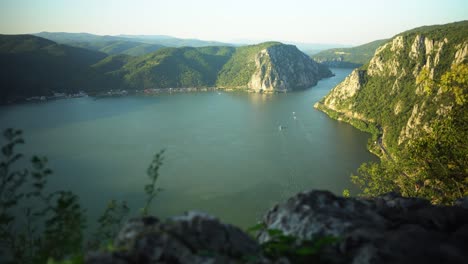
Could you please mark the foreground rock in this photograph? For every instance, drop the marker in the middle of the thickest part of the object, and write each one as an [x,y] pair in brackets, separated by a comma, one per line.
[387,229]
[191,238]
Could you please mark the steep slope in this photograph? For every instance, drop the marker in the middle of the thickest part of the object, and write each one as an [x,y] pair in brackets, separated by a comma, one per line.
[412,96]
[348,57]
[270,67]
[31,66]
[176,67]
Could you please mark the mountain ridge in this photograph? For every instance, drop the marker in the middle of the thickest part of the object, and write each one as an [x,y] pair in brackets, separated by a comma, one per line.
[348,57]
[183,67]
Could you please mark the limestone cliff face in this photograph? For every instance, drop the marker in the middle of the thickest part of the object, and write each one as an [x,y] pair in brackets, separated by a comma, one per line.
[399,90]
[284,68]
[346,89]
[271,67]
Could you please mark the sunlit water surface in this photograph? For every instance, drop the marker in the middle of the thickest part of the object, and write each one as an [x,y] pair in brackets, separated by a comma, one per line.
[225,153]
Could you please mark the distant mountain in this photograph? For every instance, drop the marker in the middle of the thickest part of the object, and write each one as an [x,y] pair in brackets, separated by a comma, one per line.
[314,48]
[34,66]
[108,44]
[348,57]
[31,66]
[307,48]
[67,38]
[134,45]
[169,41]
[119,47]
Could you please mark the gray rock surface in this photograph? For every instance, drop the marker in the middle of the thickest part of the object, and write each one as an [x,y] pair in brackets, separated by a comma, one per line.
[282,68]
[191,238]
[385,229]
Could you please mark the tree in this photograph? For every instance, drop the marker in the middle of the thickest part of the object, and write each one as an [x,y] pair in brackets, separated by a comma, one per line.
[35,225]
[153,173]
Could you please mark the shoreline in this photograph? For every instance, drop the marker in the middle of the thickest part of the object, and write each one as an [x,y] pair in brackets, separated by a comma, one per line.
[144,92]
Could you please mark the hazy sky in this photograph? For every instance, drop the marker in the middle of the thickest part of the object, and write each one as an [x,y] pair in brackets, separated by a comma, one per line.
[323,21]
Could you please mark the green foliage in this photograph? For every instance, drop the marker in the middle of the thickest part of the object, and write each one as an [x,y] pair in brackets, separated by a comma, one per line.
[295,249]
[35,224]
[110,223]
[150,189]
[435,164]
[176,67]
[63,228]
[455,82]
[31,66]
[112,63]
[346,193]
[121,47]
[425,81]
[456,32]
[75,259]
[349,57]
[375,179]
[430,160]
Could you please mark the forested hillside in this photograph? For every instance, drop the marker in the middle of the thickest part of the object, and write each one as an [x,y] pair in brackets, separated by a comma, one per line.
[31,66]
[349,57]
[413,97]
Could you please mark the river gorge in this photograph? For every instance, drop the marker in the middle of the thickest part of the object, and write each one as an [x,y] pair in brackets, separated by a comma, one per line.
[231,154]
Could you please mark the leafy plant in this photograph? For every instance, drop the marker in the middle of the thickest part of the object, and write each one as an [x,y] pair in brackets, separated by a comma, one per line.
[35,224]
[110,223]
[153,173]
[297,250]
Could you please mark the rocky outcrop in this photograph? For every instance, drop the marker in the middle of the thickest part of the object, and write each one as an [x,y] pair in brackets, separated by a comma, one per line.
[191,238]
[399,90]
[271,67]
[386,229]
[282,68]
[345,89]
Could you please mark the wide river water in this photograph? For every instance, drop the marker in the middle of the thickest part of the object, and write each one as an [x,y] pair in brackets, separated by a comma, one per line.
[225,153]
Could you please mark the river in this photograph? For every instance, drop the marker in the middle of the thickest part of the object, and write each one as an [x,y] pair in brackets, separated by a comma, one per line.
[225,152]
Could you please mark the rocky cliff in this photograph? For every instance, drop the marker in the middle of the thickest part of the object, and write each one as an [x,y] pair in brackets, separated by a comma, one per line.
[271,67]
[386,229]
[400,93]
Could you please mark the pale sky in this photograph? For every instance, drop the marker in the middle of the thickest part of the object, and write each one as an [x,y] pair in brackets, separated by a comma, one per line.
[309,21]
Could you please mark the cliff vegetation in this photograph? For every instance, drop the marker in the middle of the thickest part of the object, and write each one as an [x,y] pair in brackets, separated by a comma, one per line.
[412,96]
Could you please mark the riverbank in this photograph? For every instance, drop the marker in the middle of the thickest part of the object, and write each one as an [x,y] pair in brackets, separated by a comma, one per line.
[145,92]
